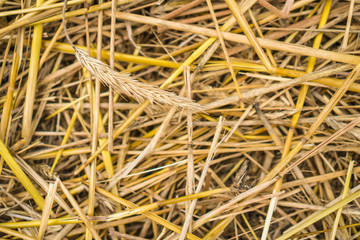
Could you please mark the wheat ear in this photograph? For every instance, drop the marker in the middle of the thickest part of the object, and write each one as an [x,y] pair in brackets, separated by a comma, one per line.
[124,83]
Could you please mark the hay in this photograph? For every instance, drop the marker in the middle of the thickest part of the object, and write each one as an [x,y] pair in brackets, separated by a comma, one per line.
[202,119]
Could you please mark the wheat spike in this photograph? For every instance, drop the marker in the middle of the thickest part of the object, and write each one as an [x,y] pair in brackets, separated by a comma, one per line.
[123,83]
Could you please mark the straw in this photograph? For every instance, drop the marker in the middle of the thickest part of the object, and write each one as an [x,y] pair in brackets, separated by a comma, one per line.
[110,97]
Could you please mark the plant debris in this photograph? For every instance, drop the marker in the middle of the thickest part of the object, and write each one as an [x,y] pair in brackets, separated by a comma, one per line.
[152,119]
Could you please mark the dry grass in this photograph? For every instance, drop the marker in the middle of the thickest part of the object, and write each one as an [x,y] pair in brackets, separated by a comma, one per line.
[201,119]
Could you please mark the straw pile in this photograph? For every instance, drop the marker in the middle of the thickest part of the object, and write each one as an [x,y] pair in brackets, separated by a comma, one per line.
[201,119]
